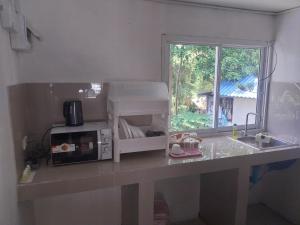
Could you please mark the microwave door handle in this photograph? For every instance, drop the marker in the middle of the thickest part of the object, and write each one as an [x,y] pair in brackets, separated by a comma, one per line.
[99,145]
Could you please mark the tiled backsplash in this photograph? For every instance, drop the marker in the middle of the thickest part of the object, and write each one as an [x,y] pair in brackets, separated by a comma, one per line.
[46,103]
[36,106]
[284,111]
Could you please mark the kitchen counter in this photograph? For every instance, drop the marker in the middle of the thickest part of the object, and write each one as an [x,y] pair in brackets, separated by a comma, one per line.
[150,165]
[219,154]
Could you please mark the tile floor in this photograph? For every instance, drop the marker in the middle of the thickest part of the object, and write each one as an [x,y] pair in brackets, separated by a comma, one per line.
[262,215]
[191,222]
[257,215]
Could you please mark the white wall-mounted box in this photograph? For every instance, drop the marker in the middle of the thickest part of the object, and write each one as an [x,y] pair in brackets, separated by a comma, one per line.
[19,39]
[7,14]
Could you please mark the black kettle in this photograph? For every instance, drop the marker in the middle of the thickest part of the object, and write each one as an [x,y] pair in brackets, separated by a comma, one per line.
[73,113]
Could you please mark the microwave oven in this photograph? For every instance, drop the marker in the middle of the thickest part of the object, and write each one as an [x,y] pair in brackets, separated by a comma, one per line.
[89,142]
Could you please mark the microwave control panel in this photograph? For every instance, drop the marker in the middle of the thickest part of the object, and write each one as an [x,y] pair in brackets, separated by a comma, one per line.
[106,144]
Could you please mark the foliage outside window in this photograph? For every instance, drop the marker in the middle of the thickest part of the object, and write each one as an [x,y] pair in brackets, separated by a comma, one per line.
[193,73]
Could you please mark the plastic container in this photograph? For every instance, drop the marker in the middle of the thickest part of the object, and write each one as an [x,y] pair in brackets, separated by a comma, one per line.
[234,132]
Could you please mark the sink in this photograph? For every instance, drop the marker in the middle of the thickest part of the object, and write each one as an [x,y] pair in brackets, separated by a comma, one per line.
[247,140]
[274,143]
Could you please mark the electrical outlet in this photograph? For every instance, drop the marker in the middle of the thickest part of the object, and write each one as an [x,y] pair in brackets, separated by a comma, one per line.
[24,143]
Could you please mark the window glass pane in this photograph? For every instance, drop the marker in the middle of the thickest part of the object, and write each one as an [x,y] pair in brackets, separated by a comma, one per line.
[238,87]
[192,70]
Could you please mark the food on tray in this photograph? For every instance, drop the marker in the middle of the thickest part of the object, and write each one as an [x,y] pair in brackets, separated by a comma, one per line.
[185,140]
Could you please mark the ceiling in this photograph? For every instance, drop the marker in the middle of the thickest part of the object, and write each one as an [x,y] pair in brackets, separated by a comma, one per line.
[272,6]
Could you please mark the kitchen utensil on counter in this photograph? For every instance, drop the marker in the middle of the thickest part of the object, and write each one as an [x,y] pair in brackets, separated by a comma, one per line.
[185,145]
[176,149]
[27,175]
[262,139]
[151,133]
[130,131]
[234,132]
[178,152]
[185,140]
[72,111]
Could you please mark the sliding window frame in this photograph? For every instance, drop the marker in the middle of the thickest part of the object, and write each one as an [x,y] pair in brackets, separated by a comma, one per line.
[266,53]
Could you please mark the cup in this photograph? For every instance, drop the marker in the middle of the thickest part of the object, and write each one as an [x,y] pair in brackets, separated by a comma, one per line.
[176,149]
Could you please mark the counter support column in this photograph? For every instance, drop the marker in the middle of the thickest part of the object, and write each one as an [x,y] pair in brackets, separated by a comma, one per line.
[26,213]
[242,195]
[146,203]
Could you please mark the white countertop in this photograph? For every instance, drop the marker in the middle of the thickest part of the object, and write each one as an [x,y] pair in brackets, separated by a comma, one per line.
[219,153]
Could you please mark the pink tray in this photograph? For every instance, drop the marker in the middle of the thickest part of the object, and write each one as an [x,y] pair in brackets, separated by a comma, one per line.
[187,153]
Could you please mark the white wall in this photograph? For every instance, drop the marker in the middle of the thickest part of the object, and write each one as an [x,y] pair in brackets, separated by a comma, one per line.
[95,40]
[242,106]
[8,205]
[281,189]
[120,39]
[288,47]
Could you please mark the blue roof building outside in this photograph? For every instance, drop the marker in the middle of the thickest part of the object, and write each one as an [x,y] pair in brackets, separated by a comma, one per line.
[245,88]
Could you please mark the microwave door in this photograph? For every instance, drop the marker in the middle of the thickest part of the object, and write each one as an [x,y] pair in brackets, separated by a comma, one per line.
[75,147]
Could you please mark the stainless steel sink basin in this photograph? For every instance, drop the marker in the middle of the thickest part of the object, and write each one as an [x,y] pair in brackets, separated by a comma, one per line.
[247,139]
[275,143]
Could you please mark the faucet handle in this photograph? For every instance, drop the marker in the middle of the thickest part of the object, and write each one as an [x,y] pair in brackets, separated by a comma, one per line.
[243,133]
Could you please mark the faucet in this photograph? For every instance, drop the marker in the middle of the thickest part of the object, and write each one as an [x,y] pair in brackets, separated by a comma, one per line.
[247,120]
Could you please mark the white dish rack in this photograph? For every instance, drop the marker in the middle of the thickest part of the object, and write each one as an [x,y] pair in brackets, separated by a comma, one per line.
[130,99]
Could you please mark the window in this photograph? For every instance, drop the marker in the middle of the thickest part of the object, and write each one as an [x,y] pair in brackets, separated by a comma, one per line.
[214,84]
[240,69]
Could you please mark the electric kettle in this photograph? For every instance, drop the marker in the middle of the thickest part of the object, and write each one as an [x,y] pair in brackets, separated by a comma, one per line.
[72,111]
